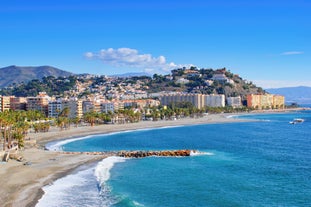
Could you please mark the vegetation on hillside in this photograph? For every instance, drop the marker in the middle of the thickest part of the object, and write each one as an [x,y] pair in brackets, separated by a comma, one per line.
[191,80]
[51,85]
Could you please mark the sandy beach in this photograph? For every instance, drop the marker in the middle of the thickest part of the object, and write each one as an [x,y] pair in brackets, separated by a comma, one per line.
[21,184]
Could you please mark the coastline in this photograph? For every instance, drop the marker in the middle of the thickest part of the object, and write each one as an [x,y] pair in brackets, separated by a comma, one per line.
[21,185]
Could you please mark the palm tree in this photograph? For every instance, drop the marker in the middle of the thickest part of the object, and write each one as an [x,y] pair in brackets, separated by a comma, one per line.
[91,117]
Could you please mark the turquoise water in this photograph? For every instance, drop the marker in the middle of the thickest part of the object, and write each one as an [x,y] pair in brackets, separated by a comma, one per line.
[264,163]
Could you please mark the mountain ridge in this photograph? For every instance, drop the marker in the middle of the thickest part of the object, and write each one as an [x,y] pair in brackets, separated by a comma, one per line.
[19,74]
[298,94]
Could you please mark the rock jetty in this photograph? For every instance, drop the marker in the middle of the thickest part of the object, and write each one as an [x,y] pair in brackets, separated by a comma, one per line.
[167,153]
[140,154]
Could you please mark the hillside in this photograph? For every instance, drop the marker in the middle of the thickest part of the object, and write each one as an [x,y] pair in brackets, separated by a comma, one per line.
[300,94]
[16,74]
[204,81]
[193,80]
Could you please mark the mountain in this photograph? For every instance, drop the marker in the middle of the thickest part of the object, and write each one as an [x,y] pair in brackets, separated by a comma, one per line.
[16,74]
[300,94]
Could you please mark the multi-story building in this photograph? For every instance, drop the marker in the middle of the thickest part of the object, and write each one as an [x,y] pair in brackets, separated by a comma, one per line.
[195,99]
[4,103]
[278,102]
[234,101]
[214,100]
[265,101]
[54,108]
[74,106]
[39,103]
[18,103]
[107,106]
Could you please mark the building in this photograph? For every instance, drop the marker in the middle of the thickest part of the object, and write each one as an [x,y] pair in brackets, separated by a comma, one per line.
[54,108]
[4,103]
[18,103]
[234,101]
[278,102]
[74,106]
[39,103]
[195,99]
[265,101]
[214,100]
[182,81]
[107,106]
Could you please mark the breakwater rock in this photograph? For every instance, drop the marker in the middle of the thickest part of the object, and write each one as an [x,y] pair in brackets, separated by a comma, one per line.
[139,154]
[167,153]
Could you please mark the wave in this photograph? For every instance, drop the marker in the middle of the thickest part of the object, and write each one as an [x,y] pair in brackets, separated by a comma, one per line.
[64,191]
[102,170]
[57,145]
[197,153]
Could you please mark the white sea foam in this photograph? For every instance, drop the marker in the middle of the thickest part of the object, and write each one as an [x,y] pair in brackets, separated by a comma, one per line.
[138,204]
[197,153]
[81,188]
[102,170]
[57,146]
[64,191]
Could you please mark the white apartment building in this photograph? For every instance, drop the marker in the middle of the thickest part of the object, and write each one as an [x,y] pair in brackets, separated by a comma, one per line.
[107,106]
[234,101]
[54,108]
[214,100]
[74,106]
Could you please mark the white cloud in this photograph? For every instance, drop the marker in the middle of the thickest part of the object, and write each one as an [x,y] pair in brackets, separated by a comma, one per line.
[280,83]
[127,57]
[292,53]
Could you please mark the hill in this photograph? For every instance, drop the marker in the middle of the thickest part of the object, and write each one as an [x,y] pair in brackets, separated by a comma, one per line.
[204,81]
[193,80]
[16,74]
[300,94]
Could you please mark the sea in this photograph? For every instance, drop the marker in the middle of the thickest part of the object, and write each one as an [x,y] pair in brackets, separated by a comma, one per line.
[265,162]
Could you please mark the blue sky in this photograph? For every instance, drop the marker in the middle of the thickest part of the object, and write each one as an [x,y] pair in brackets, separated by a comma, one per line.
[265,41]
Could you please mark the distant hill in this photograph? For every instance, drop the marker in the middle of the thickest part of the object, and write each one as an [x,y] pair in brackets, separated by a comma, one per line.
[300,94]
[16,74]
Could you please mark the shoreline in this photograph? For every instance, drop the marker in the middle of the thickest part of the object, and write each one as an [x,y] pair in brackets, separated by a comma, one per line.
[21,185]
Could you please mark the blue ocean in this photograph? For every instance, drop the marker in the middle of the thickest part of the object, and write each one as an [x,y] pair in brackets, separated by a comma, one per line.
[266,162]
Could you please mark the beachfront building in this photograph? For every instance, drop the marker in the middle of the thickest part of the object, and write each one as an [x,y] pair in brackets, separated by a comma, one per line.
[4,103]
[57,106]
[18,103]
[91,105]
[195,99]
[214,100]
[265,101]
[278,102]
[234,102]
[74,106]
[39,103]
[107,106]
[54,108]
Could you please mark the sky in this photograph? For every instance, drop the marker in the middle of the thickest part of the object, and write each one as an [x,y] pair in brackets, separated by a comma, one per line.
[267,42]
